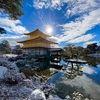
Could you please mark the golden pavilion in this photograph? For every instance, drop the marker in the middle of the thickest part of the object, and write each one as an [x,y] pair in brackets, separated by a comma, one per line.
[37,43]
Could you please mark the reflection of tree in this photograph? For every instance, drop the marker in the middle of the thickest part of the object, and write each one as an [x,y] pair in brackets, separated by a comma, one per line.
[73,71]
[92,61]
[46,72]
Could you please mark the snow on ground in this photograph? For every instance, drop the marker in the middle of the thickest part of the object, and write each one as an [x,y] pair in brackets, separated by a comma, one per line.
[9,55]
[34,88]
[37,95]
[3,70]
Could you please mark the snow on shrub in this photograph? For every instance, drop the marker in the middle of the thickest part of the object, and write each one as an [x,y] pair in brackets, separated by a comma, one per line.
[12,76]
[3,70]
[37,95]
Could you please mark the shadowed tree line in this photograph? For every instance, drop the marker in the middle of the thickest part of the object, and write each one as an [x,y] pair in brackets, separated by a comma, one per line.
[5,48]
[92,61]
[17,50]
[73,51]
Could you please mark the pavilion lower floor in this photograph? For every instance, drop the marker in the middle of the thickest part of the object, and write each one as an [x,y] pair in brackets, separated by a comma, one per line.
[37,50]
[43,51]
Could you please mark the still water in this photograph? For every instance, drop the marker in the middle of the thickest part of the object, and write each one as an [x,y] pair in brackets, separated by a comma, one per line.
[85,79]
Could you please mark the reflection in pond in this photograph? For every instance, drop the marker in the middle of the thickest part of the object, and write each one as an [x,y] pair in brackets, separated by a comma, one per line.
[92,61]
[73,91]
[46,72]
[83,79]
[82,84]
[44,69]
[73,71]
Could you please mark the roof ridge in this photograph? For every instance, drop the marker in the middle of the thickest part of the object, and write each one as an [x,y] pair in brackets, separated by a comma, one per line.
[39,31]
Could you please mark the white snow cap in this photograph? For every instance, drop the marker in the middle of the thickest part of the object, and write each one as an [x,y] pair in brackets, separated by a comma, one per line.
[37,95]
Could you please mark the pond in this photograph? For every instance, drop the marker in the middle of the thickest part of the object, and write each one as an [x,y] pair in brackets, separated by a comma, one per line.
[85,81]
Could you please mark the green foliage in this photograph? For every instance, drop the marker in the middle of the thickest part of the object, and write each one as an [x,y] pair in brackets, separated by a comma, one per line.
[17,50]
[69,50]
[92,61]
[98,49]
[12,7]
[30,62]
[29,72]
[72,51]
[86,51]
[77,51]
[92,47]
[5,47]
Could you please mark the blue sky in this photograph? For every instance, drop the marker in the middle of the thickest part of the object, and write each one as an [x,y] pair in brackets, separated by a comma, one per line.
[73,21]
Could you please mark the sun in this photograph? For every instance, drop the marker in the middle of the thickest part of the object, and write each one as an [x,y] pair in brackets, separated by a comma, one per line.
[49,29]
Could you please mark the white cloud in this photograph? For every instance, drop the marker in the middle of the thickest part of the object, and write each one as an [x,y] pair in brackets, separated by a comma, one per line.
[80,26]
[73,7]
[13,39]
[56,4]
[39,4]
[82,38]
[13,26]
[88,70]
[77,7]
[54,39]
[15,29]
[53,4]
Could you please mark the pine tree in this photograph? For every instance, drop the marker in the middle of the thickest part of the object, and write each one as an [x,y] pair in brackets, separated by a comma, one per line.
[13,8]
[5,47]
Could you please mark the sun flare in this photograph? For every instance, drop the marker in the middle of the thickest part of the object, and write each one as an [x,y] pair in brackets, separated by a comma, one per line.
[49,29]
